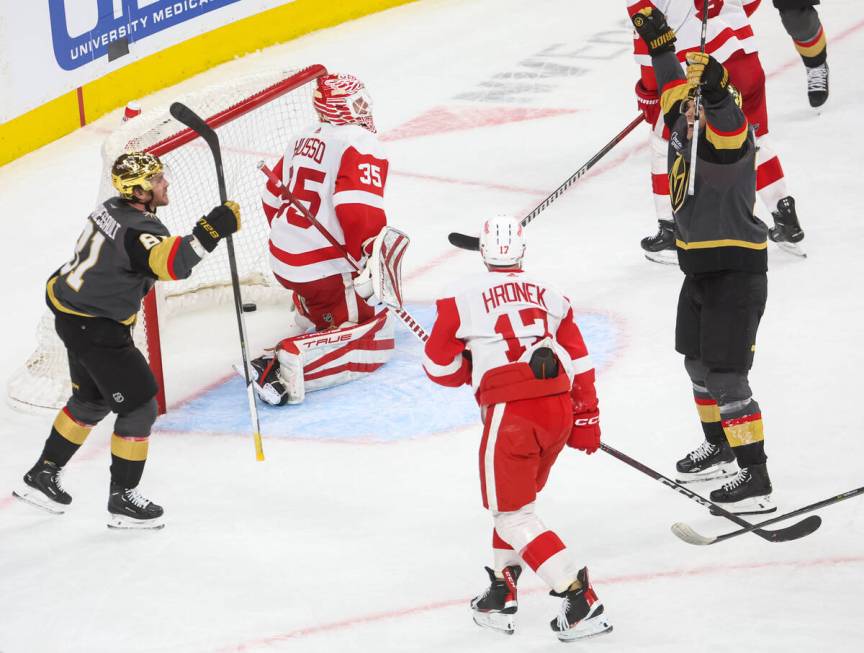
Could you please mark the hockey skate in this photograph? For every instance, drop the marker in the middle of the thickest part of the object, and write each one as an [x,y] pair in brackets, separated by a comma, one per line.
[787,232]
[581,613]
[707,461]
[128,509]
[660,248]
[817,84]
[42,488]
[496,607]
[749,493]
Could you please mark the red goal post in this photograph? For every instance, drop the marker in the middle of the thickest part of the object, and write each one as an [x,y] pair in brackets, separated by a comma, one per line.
[255,117]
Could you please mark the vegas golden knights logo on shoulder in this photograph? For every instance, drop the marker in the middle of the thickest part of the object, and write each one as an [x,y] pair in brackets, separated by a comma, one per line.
[678,182]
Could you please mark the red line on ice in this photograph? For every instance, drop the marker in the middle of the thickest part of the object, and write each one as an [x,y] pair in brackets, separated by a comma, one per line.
[463,602]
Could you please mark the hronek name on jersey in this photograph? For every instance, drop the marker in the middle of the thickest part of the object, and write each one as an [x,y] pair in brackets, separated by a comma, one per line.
[513,291]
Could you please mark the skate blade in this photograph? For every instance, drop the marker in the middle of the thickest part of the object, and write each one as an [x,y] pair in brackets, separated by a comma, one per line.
[722,471]
[502,623]
[794,249]
[36,498]
[122,522]
[586,629]
[751,506]
[664,256]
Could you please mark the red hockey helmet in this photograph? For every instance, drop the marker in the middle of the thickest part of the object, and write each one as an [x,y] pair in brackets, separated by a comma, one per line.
[343,100]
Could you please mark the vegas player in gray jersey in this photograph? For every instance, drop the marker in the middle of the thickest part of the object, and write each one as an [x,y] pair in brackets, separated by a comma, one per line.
[722,250]
[95,297]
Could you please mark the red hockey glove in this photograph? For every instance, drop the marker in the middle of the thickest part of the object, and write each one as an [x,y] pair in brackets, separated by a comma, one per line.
[585,435]
[648,103]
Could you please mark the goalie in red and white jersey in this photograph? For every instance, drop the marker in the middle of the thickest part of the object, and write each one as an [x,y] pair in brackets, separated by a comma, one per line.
[513,339]
[730,40]
[338,170]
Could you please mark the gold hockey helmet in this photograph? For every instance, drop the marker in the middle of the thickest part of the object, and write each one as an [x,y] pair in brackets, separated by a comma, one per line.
[133,169]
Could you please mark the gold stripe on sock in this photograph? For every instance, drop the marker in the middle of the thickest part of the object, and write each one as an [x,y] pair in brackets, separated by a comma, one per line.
[130,447]
[71,429]
[744,430]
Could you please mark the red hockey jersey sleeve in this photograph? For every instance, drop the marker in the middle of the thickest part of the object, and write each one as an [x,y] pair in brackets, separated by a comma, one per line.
[583,393]
[444,361]
[271,198]
[359,198]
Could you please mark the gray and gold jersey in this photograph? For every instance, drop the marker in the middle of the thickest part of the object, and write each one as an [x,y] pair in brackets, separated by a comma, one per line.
[118,257]
[715,229]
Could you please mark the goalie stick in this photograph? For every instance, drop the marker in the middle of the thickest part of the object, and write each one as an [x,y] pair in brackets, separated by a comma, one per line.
[194,122]
[686,533]
[463,241]
[399,312]
[793,532]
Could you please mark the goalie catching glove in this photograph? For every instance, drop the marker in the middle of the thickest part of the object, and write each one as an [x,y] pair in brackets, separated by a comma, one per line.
[222,221]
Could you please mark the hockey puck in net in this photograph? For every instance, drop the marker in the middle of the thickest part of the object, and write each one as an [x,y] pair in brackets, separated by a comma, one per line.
[249,307]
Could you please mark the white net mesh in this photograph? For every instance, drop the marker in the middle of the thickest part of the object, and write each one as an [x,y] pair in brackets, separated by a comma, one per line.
[255,118]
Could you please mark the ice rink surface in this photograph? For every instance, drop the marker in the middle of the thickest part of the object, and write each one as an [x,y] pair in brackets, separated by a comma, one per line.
[363,530]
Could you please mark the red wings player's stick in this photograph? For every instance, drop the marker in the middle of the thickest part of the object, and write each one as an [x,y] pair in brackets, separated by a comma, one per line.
[464,241]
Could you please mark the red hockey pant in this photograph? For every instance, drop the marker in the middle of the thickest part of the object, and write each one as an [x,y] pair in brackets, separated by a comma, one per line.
[521,441]
[329,302]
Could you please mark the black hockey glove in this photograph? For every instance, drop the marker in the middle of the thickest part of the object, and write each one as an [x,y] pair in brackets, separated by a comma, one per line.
[651,25]
[706,70]
[220,222]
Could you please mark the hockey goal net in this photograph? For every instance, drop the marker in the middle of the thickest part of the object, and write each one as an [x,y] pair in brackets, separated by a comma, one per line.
[255,118]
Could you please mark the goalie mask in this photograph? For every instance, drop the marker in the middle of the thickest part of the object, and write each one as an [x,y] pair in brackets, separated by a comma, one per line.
[502,241]
[133,169]
[343,100]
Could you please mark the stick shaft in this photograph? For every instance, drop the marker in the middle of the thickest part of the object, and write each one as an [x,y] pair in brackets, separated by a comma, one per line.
[697,106]
[657,476]
[189,118]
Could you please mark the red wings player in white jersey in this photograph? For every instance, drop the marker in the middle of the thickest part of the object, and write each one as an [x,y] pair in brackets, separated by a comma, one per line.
[730,40]
[513,338]
[338,170]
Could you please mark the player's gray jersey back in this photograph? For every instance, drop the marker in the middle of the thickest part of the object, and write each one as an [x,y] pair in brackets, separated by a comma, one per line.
[104,277]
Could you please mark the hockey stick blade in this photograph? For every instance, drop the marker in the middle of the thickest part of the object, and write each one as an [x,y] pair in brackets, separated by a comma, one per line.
[471,243]
[805,526]
[796,531]
[746,526]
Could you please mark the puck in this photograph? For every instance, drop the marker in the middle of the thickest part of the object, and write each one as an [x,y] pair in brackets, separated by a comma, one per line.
[249,307]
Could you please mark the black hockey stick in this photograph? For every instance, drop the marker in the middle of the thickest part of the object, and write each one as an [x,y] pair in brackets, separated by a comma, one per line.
[793,532]
[464,241]
[697,106]
[192,120]
[687,534]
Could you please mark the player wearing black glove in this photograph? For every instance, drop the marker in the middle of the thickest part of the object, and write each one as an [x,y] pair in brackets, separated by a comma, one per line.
[651,25]
[222,221]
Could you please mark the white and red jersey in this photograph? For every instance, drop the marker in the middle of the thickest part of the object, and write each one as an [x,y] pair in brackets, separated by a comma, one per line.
[728,30]
[339,173]
[500,318]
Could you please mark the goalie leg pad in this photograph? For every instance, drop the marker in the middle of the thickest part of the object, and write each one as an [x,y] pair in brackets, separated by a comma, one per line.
[337,356]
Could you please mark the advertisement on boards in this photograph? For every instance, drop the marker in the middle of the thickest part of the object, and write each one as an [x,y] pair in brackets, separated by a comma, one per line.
[51,47]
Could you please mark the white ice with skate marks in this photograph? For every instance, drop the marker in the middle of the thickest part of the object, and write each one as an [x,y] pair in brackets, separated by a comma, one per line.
[342,546]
